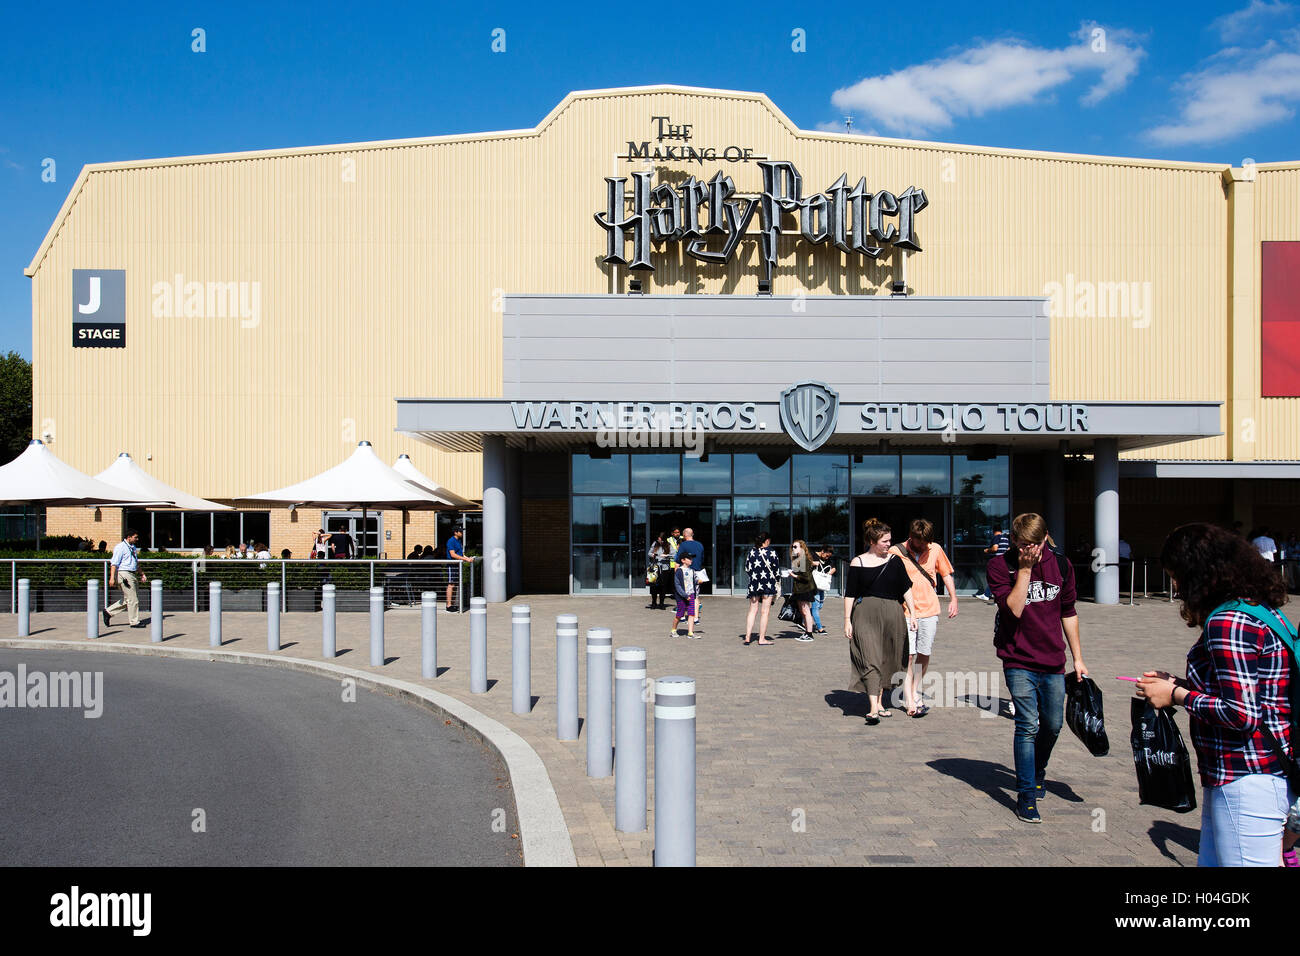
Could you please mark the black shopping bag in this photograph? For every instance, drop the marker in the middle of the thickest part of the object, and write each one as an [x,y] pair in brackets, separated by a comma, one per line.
[1164,767]
[787,611]
[1083,713]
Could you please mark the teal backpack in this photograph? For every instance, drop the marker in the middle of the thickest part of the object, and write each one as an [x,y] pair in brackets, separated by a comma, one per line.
[1277,622]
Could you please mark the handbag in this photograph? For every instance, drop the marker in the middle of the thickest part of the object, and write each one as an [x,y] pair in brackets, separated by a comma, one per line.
[787,611]
[1164,767]
[1083,713]
[822,579]
[652,574]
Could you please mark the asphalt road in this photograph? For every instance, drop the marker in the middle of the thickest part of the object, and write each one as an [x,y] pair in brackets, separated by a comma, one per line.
[284,771]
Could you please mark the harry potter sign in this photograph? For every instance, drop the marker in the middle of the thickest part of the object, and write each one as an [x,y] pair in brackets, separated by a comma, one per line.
[852,219]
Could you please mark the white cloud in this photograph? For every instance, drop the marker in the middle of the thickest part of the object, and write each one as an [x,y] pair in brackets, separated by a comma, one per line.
[1237,92]
[1241,23]
[993,76]
[1223,104]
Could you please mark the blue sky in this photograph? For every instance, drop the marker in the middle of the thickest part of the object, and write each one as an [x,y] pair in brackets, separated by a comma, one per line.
[87,83]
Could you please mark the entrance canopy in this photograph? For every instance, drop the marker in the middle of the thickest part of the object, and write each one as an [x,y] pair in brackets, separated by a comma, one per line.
[758,420]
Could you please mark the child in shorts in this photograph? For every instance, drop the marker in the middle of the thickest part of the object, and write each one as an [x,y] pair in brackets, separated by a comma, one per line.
[685,588]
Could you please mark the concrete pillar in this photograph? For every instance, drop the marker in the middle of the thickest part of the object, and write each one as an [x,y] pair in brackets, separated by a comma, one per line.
[494,519]
[1105,534]
[514,522]
[1054,507]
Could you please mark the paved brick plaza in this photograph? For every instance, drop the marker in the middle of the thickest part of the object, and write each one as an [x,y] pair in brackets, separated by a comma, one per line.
[788,771]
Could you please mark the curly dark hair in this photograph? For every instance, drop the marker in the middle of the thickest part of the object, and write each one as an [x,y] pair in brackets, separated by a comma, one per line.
[1212,565]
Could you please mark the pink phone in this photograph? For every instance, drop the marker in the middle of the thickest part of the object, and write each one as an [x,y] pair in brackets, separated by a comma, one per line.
[1133,679]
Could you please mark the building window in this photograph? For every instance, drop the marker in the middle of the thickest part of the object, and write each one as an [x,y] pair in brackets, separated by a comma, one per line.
[821,474]
[656,474]
[593,475]
[973,477]
[927,475]
[875,475]
[706,475]
[763,474]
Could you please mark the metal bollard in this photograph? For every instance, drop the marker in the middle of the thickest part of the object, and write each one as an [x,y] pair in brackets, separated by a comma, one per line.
[155,611]
[675,771]
[92,609]
[329,643]
[600,703]
[478,645]
[521,656]
[629,750]
[24,607]
[429,634]
[566,677]
[214,614]
[273,616]
[376,627]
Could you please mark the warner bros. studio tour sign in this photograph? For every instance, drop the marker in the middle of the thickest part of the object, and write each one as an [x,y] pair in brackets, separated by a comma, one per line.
[853,219]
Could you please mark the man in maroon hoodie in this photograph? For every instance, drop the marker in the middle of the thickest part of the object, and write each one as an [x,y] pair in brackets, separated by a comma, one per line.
[1035,592]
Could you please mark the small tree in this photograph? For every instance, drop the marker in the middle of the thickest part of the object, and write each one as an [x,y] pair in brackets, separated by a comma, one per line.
[15,405]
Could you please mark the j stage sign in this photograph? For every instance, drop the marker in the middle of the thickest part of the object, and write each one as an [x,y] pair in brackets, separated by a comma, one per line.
[851,219]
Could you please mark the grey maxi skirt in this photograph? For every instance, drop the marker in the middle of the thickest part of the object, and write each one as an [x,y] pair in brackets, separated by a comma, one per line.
[879,646]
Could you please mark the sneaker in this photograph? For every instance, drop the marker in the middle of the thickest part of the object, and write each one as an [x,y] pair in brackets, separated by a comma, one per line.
[104,615]
[692,636]
[820,630]
[984,598]
[804,638]
[673,632]
[1027,810]
[1039,785]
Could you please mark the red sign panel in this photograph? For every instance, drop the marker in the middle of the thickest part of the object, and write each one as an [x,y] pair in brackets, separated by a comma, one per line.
[1280,320]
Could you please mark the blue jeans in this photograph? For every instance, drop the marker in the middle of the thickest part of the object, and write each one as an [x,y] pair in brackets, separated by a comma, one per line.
[1241,821]
[818,599]
[1040,711]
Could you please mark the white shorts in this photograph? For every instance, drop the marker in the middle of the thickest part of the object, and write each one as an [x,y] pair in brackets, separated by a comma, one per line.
[921,641]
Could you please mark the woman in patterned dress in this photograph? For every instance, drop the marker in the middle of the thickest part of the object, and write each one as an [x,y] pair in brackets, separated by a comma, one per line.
[763,568]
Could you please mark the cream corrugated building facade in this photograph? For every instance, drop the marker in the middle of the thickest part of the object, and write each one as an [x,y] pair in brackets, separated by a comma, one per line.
[372,271]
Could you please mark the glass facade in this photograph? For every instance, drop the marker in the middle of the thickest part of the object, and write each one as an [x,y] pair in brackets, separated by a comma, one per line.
[620,502]
[194,530]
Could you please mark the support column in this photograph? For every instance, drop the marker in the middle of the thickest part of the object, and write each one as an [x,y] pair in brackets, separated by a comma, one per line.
[1105,536]
[1241,412]
[1054,480]
[514,522]
[494,519]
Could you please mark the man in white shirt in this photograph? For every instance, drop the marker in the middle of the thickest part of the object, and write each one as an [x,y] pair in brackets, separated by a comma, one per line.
[123,568]
[1265,545]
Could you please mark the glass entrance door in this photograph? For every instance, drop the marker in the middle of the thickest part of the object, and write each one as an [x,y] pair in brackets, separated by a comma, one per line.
[665,514]
[899,514]
[349,522]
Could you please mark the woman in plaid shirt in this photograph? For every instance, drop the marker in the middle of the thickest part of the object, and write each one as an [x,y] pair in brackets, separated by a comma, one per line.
[1236,693]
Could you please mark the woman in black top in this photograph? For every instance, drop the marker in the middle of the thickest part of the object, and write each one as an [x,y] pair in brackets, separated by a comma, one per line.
[874,594]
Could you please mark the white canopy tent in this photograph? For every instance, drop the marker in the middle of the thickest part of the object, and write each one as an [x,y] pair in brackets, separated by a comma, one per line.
[125,473]
[38,476]
[406,468]
[362,481]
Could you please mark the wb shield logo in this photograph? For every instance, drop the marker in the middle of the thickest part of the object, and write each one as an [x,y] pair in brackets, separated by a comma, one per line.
[809,411]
